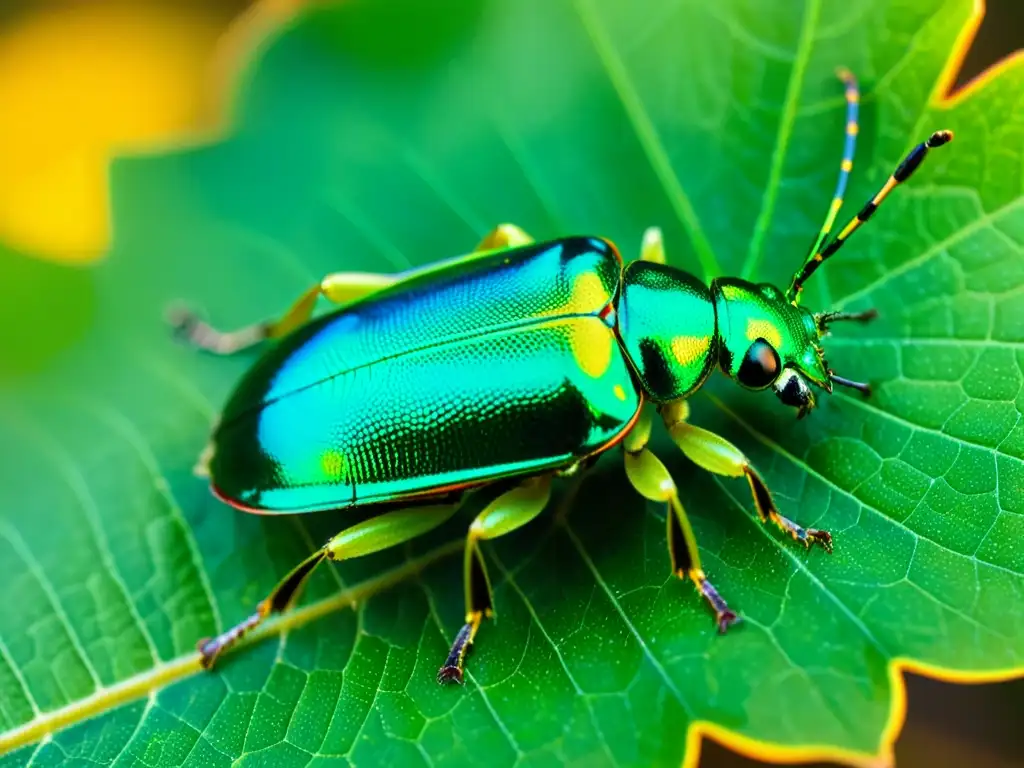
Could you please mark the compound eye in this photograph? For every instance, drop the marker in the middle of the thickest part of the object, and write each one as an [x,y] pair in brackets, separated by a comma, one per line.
[760,366]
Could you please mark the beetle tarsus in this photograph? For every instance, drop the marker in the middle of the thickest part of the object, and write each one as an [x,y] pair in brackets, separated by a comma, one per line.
[449,674]
[211,648]
[187,326]
[806,536]
[452,669]
[725,619]
[818,536]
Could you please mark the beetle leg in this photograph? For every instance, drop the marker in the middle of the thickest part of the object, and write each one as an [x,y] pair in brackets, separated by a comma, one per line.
[511,510]
[367,537]
[652,481]
[718,455]
[503,236]
[340,288]
[652,248]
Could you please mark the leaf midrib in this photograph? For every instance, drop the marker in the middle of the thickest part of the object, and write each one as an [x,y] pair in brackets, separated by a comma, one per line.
[105,698]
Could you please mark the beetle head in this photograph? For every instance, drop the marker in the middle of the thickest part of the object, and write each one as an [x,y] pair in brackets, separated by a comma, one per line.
[767,341]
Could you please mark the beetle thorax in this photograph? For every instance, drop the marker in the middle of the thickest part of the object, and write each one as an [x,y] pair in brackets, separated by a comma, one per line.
[667,327]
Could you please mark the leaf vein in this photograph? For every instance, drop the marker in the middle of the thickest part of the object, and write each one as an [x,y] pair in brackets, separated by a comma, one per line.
[922,428]
[761,437]
[662,672]
[36,569]
[647,136]
[789,112]
[929,253]
[483,694]
[76,482]
[19,677]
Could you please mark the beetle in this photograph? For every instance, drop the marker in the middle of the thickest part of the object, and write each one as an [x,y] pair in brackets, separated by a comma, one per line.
[495,372]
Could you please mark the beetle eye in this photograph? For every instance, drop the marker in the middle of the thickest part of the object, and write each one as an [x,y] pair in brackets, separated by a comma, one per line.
[760,366]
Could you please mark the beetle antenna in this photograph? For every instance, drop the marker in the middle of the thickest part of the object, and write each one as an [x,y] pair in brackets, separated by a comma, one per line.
[852,93]
[903,171]
[864,389]
[820,251]
[824,319]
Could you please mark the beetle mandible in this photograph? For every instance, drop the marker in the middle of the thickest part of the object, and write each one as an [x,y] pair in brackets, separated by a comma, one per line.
[496,372]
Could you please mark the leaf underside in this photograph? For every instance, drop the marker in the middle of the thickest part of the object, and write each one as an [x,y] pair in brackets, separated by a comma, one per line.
[372,137]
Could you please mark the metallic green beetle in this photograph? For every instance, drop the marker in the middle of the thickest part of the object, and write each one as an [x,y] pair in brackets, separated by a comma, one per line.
[496,372]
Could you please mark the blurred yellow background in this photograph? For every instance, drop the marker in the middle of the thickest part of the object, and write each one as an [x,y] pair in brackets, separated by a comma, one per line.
[82,80]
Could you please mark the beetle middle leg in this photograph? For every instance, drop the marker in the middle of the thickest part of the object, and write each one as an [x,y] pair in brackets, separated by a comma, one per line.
[339,287]
[652,481]
[373,535]
[511,510]
[716,454]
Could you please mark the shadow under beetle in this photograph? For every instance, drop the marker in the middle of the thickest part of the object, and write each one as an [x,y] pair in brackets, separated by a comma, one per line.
[503,369]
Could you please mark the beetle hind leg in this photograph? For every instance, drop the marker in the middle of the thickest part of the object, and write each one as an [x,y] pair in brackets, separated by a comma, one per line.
[511,510]
[281,598]
[652,480]
[339,288]
[373,535]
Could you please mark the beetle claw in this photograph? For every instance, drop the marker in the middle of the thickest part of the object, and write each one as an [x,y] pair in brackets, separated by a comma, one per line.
[817,536]
[208,649]
[725,619]
[449,673]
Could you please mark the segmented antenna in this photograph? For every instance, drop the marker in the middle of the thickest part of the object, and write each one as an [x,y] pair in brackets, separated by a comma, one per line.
[852,93]
[820,251]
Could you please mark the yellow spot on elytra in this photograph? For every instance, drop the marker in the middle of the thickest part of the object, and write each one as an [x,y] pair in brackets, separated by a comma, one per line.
[764,329]
[332,462]
[689,349]
[619,392]
[591,342]
[587,294]
[847,165]
[851,128]
[853,96]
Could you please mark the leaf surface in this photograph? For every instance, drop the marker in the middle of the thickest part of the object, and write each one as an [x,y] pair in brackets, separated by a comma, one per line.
[375,136]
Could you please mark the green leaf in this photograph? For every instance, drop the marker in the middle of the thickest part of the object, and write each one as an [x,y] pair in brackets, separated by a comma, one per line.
[373,136]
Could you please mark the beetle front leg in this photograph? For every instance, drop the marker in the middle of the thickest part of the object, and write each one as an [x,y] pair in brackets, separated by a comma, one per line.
[340,288]
[511,510]
[652,481]
[716,454]
[367,537]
